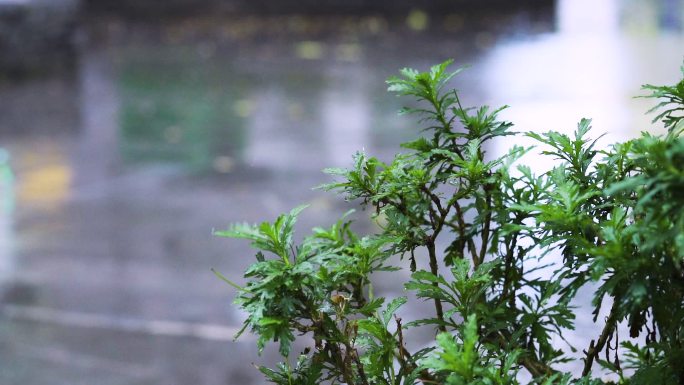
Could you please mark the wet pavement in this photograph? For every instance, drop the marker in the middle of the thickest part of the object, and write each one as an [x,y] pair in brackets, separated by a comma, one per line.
[127,156]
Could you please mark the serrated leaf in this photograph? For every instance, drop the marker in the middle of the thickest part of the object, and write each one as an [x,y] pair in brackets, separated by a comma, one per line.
[392,308]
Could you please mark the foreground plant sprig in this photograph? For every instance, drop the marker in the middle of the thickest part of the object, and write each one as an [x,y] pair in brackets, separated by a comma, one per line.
[477,231]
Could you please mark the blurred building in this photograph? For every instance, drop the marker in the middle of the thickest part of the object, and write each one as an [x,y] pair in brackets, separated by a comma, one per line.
[302,6]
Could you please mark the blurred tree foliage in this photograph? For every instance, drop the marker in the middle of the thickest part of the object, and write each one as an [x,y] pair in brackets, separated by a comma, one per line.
[616,216]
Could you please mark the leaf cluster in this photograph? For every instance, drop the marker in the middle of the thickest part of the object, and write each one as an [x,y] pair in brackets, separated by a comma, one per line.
[516,246]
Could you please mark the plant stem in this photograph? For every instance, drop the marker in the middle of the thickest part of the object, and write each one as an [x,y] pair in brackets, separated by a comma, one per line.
[531,363]
[511,243]
[608,329]
[226,280]
[406,361]
[340,362]
[461,233]
[487,222]
[362,373]
[434,269]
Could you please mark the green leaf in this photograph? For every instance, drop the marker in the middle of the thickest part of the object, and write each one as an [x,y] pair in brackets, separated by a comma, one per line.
[392,308]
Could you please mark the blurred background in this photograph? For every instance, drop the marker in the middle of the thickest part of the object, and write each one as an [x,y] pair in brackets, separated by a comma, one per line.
[129,129]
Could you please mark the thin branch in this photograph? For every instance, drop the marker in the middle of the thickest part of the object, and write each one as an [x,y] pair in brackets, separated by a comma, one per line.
[531,363]
[461,231]
[434,198]
[536,368]
[359,365]
[508,263]
[401,206]
[434,269]
[608,329]
[487,222]
[339,361]
[406,361]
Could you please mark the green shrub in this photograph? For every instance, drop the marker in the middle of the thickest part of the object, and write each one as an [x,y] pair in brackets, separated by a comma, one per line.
[616,217]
